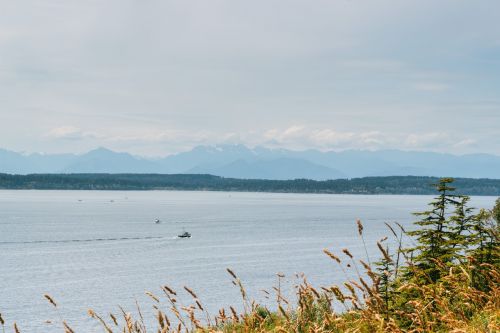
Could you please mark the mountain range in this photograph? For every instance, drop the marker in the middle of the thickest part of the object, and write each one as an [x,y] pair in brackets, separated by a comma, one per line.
[239,161]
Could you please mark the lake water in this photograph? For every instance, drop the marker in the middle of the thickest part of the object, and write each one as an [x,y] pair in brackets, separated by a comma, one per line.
[91,249]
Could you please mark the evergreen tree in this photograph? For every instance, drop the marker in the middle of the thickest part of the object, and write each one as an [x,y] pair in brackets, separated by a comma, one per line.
[385,271]
[484,248]
[462,224]
[435,237]
[495,212]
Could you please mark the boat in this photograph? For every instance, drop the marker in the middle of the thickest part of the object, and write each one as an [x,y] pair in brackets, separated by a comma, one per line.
[185,234]
[157,221]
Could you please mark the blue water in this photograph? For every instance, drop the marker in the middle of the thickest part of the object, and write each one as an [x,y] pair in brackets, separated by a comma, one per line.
[91,249]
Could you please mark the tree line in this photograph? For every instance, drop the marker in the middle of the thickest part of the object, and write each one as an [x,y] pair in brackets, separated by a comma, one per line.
[366,185]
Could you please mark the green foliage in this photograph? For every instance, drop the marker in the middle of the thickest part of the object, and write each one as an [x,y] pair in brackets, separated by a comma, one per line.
[483,248]
[449,236]
[450,233]
[438,236]
[495,212]
[463,221]
[386,269]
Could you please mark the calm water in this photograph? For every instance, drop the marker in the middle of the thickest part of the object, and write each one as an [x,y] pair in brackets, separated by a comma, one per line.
[102,249]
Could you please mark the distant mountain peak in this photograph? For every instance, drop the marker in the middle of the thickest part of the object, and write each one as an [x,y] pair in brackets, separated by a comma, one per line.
[100,150]
[240,161]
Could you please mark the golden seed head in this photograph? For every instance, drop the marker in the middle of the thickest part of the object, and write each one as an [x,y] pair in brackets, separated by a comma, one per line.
[360,227]
[170,290]
[231,273]
[331,255]
[346,251]
[190,291]
[50,299]
[114,319]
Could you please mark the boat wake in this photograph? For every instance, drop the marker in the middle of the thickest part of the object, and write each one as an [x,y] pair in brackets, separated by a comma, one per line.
[85,240]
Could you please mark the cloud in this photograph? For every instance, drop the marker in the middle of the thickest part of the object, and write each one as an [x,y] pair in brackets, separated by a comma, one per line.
[466,143]
[151,142]
[69,133]
[424,140]
[325,138]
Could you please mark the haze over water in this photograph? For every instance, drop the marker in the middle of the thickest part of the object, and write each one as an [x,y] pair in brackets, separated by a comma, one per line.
[91,249]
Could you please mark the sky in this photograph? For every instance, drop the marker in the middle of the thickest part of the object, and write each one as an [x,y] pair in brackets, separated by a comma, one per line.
[156,77]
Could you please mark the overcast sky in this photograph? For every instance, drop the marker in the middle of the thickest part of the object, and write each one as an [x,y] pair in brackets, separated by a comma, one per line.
[154,77]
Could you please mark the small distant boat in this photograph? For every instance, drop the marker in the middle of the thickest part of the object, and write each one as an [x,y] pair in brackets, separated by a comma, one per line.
[185,234]
[157,221]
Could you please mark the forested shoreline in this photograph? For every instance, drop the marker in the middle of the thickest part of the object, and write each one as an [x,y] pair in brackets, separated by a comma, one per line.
[198,182]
